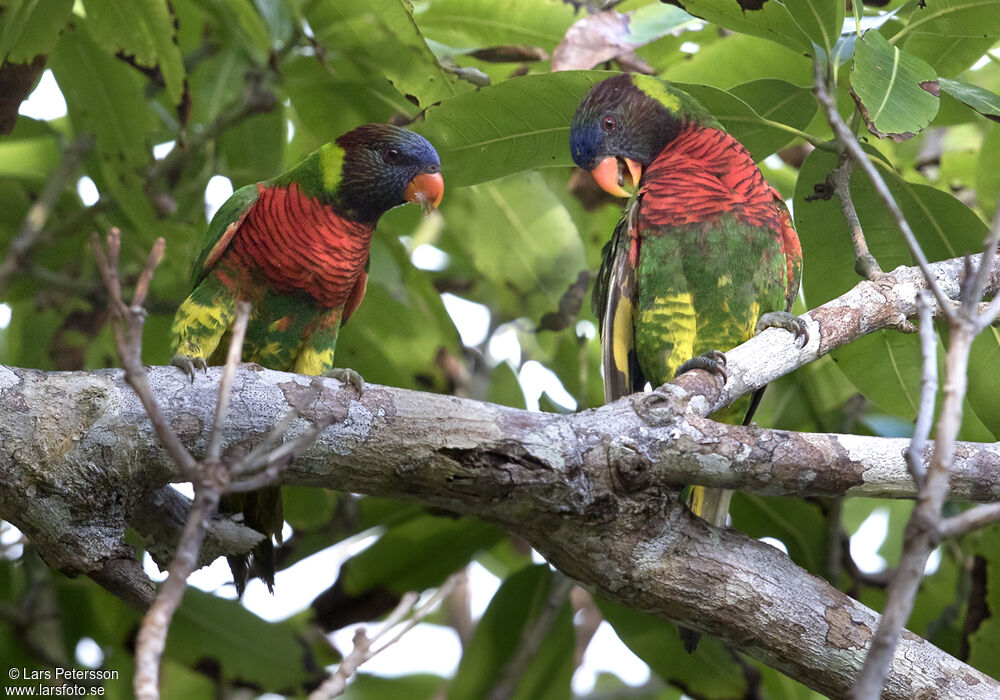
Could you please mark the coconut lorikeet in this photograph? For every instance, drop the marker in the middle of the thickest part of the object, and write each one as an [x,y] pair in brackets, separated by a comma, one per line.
[704,254]
[296,247]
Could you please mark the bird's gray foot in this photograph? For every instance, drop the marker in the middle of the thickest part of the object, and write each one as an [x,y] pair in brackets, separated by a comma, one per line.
[347,376]
[783,319]
[712,361]
[188,364]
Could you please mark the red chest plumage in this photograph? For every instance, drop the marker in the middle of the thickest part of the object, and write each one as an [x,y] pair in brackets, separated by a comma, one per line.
[703,174]
[299,244]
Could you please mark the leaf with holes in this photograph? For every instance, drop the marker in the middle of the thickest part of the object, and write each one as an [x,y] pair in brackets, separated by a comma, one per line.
[896,92]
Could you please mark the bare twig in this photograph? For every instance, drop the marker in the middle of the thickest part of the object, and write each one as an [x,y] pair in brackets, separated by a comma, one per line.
[38,215]
[853,149]
[928,391]
[865,263]
[226,383]
[364,647]
[532,636]
[973,519]
[128,336]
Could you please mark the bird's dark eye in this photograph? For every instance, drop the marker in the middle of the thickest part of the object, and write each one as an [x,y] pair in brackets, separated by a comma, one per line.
[391,155]
[609,124]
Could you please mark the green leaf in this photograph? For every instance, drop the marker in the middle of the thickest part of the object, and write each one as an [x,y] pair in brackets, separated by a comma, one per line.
[770,60]
[984,643]
[417,554]
[520,600]
[514,126]
[524,244]
[144,31]
[984,384]
[950,35]
[980,99]
[475,24]
[104,97]
[772,21]
[394,336]
[254,149]
[798,524]
[30,151]
[381,37]
[711,671]
[245,647]
[29,28]
[897,93]
[987,174]
[819,20]
[329,105]
[743,110]
[885,366]
[422,686]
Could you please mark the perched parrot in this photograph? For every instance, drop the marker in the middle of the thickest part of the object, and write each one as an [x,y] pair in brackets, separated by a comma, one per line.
[296,247]
[703,255]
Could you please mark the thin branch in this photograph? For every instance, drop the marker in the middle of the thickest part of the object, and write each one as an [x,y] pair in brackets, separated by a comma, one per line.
[928,391]
[127,325]
[532,636]
[973,519]
[364,647]
[988,315]
[226,383]
[853,148]
[38,214]
[865,263]
[152,637]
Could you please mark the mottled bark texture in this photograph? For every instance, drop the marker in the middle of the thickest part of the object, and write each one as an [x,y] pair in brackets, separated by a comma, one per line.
[594,491]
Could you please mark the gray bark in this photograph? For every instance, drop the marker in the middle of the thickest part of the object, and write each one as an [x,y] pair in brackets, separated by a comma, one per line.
[594,491]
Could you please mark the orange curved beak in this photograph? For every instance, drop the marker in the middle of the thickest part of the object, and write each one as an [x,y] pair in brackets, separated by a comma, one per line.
[427,189]
[610,175]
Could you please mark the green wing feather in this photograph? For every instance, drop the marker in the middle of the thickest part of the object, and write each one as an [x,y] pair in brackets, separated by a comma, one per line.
[221,230]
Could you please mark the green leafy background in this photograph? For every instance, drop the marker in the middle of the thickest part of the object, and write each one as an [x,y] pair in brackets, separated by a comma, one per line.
[520,236]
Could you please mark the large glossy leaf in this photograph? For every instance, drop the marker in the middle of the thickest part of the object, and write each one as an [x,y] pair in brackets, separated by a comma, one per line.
[770,60]
[984,642]
[885,366]
[381,37]
[950,35]
[819,20]
[144,31]
[245,647]
[711,671]
[798,524]
[897,92]
[517,604]
[771,21]
[520,124]
[523,243]
[772,100]
[474,24]
[365,686]
[30,28]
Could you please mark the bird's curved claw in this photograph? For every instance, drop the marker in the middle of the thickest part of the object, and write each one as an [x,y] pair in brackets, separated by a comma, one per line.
[712,361]
[189,364]
[783,319]
[347,376]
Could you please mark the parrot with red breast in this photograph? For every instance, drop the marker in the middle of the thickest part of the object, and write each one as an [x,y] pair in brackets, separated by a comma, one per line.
[704,255]
[296,247]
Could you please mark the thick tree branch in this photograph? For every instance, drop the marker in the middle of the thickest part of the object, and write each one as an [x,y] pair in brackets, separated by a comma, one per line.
[582,489]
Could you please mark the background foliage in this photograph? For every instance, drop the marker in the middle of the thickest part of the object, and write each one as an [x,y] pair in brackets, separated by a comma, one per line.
[245,88]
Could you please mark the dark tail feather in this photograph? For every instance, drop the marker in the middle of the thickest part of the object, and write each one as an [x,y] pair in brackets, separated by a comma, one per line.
[754,404]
